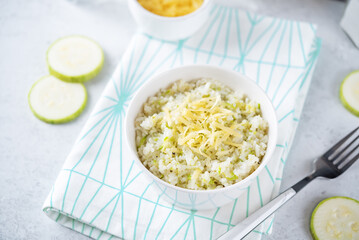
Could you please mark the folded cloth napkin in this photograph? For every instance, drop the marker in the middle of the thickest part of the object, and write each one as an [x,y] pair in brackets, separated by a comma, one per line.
[350,21]
[101,193]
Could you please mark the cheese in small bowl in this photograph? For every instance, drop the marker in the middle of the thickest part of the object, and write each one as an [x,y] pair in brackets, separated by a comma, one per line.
[171,19]
[171,8]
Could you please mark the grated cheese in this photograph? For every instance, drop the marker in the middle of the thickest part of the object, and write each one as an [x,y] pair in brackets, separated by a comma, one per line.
[171,8]
[197,124]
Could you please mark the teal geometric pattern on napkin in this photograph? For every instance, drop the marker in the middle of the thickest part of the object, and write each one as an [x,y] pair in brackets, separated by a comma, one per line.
[101,193]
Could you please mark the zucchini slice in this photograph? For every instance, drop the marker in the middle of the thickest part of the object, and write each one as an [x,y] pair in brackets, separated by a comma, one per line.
[349,92]
[336,218]
[75,59]
[55,101]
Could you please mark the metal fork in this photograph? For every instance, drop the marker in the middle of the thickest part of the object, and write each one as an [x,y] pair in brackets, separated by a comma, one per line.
[330,165]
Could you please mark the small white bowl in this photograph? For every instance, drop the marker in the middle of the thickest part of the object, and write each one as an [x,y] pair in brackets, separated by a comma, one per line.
[170,28]
[201,199]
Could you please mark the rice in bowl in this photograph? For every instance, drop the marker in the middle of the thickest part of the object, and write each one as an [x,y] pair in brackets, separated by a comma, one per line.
[201,135]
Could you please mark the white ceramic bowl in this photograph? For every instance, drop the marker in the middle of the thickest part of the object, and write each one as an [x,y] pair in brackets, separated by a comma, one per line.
[170,28]
[201,199]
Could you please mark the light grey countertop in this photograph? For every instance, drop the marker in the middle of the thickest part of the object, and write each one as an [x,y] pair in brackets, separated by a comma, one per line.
[32,152]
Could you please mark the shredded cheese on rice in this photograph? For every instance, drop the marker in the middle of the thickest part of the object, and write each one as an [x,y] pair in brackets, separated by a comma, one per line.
[201,135]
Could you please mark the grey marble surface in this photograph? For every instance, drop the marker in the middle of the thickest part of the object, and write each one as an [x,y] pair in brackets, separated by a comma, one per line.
[32,152]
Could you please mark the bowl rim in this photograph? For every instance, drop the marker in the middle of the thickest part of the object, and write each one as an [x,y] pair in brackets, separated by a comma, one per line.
[269,151]
[204,5]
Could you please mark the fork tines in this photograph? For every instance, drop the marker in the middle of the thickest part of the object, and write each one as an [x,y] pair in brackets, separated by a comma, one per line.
[345,152]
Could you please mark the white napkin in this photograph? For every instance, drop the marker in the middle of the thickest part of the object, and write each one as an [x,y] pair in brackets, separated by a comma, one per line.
[102,194]
[350,21]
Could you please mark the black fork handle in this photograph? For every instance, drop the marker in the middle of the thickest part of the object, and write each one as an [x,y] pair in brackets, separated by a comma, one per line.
[302,183]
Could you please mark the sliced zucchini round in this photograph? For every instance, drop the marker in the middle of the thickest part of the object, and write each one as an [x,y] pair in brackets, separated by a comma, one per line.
[335,218]
[75,59]
[349,92]
[55,101]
